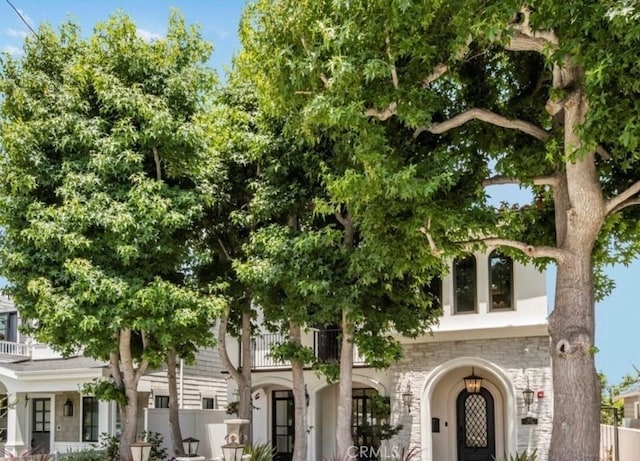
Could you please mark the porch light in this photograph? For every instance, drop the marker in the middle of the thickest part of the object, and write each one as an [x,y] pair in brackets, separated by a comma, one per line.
[190,446]
[140,451]
[67,408]
[407,398]
[233,450]
[473,383]
[528,396]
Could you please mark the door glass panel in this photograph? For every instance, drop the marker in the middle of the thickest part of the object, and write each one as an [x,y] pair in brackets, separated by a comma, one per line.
[476,421]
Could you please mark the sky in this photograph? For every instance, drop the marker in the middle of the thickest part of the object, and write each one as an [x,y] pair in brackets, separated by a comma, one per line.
[617,317]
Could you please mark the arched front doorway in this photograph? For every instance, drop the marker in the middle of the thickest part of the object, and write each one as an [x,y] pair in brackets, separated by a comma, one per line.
[440,430]
[476,427]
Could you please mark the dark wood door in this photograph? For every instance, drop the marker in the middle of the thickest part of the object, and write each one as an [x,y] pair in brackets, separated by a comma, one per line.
[283,425]
[41,433]
[476,426]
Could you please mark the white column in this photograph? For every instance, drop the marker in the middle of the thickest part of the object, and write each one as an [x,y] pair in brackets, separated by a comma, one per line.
[104,417]
[16,423]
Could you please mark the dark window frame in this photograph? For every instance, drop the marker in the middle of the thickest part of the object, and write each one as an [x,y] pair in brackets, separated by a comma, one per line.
[511,296]
[208,403]
[90,419]
[161,401]
[457,265]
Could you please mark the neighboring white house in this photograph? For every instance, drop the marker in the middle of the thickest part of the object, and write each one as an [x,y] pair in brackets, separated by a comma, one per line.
[493,325]
[41,401]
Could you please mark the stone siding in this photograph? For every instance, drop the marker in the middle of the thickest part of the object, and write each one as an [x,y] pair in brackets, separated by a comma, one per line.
[520,358]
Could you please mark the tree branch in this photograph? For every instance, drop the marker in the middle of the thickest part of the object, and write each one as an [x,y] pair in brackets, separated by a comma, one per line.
[432,244]
[487,116]
[622,197]
[529,250]
[625,204]
[383,114]
[438,71]
[526,39]
[222,349]
[501,180]
[394,71]
[156,159]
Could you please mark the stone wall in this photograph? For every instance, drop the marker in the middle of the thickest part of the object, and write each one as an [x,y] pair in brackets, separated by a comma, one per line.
[518,358]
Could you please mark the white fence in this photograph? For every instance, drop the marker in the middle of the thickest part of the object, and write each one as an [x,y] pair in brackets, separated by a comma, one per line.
[13,348]
[628,444]
[205,425]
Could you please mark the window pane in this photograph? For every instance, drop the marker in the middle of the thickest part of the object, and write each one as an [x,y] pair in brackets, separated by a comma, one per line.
[161,401]
[465,284]
[501,281]
[90,410]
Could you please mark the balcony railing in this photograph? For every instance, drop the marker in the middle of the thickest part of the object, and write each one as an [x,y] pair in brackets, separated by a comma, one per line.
[262,351]
[15,349]
[327,346]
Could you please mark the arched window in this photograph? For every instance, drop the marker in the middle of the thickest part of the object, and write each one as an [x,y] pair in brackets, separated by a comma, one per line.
[500,281]
[464,284]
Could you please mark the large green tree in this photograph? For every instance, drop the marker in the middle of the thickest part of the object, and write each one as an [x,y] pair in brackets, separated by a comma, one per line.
[319,259]
[471,94]
[106,171]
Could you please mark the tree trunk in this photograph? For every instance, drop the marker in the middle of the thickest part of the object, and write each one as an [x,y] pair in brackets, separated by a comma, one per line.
[576,399]
[174,414]
[344,440]
[299,399]
[245,405]
[129,381]
[576,388]
[243,377]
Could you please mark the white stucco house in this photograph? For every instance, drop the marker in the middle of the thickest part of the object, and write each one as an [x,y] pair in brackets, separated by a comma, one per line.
[42,405]
[493,326]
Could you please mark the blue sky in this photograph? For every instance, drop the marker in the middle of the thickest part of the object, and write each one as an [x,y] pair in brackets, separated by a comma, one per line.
[617,317]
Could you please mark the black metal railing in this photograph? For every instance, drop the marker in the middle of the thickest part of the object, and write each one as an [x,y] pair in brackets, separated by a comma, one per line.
[261,351]
[327,347]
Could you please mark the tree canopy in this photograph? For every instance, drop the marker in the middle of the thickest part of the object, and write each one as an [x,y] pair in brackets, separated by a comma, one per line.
[106,171]
[439,100]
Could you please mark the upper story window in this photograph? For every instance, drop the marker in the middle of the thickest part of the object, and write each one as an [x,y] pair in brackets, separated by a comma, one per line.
[500,281]
[9,326]
[161,401]
[464,284]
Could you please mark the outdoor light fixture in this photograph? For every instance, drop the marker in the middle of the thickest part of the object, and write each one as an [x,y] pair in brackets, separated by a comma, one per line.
[190,446]
[233,450]
[306,395]
[473,383]
[528,396]
[67,408]
[407,398]
[140,451]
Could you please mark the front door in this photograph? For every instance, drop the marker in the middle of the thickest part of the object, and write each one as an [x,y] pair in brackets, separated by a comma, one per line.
[41,434]
[283,425]
[476,426]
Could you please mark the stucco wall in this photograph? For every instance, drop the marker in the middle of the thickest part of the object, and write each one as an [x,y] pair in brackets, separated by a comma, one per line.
[516,358]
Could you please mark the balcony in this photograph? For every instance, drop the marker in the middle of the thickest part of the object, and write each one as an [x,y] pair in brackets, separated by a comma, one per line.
[11,351]
[326,347]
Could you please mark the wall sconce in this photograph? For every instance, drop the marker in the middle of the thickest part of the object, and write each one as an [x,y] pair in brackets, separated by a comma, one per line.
[306,395]
[67,408]
[407,398]
[527,394]
[473,383]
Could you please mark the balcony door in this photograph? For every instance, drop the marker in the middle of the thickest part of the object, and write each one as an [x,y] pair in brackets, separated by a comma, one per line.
[41,417]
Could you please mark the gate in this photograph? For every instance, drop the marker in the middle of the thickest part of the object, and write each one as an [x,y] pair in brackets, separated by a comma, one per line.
[609,437]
